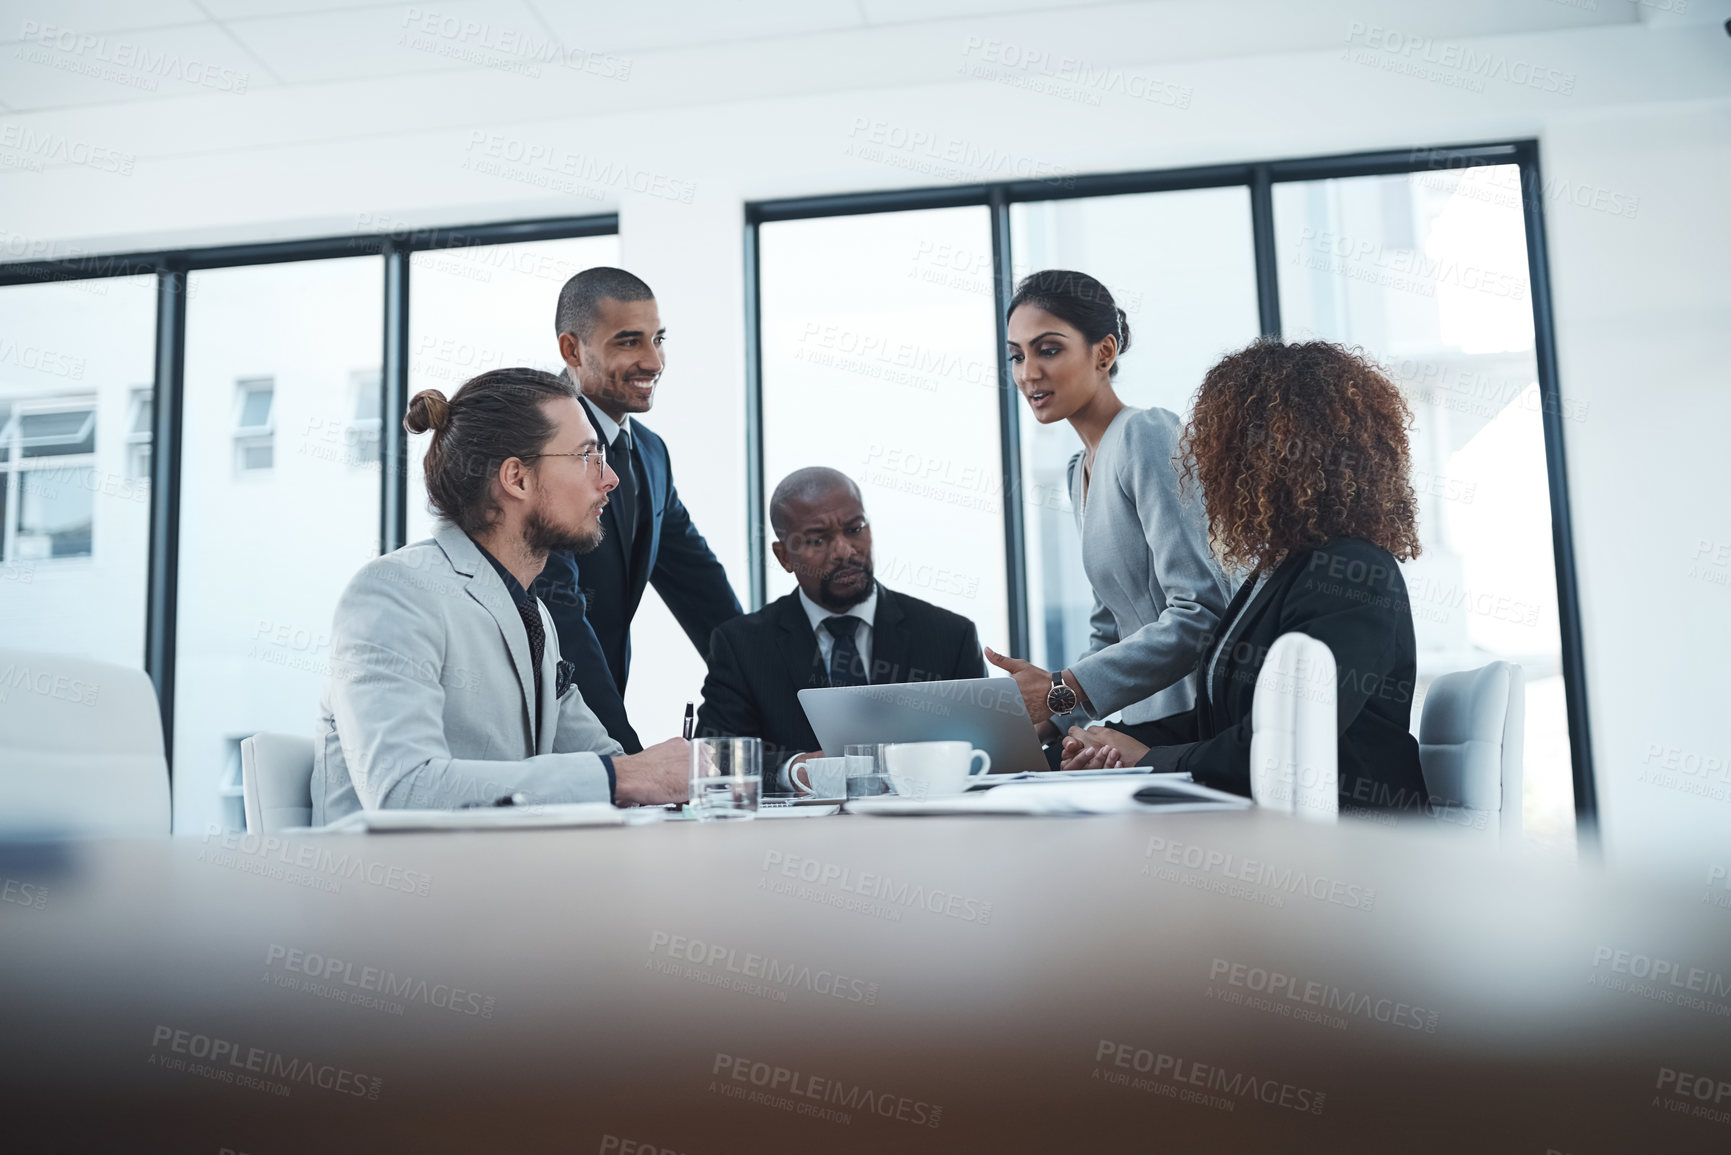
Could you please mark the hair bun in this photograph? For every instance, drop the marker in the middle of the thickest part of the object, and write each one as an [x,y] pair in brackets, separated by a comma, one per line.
[428,409]
[1123,332]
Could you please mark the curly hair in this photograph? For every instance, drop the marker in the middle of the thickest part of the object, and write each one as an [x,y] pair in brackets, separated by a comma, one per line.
[1296,444]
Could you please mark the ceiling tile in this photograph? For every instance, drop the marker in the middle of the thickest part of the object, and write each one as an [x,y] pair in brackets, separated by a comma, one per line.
[55,70]
[648,25]
[90,17]
[399,40]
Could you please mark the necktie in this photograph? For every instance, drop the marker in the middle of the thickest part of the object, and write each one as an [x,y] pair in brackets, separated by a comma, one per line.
[845,667]
[624,496]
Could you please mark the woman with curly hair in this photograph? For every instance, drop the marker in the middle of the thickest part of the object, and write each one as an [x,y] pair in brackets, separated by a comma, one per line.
[1158,594]
[1301,454]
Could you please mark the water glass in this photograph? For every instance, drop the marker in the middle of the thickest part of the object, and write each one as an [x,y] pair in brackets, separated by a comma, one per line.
[866,774]
[726,774]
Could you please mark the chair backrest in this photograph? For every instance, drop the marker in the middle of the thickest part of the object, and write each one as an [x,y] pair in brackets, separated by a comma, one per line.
[80,748]
[1294,739]
[276,775]
[1469,746]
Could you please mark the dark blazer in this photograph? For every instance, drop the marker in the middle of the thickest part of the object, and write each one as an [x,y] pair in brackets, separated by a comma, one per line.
[1349,594]
[593,599]
[760,662]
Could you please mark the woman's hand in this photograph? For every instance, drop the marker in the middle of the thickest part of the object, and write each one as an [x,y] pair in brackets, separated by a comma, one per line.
[1100,748]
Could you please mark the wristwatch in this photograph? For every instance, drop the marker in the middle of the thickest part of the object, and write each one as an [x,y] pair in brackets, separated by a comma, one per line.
[1061,699]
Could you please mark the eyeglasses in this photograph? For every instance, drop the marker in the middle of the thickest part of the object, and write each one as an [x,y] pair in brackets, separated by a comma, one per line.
[596,457]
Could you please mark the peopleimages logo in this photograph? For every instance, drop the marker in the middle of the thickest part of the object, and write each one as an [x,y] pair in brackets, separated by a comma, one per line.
[801,1093]
[1662,980]
[228,1062]
[1231,868]
[1177,1076]
[753,973]
[364,982]
[1297,995]
[868,885]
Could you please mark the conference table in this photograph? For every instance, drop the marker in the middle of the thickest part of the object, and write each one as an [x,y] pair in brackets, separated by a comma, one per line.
[1229,981]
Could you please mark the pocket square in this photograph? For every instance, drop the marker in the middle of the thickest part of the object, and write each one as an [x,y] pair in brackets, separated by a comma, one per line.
[565,677]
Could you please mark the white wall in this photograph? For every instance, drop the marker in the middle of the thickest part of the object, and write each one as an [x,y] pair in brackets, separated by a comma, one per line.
[1641,299]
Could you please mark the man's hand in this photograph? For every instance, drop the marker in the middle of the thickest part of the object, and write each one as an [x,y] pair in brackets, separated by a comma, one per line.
[1031,680]
[661,774]
[1100,748]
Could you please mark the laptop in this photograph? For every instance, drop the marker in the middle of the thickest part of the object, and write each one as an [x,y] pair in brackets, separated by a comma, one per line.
[986,712]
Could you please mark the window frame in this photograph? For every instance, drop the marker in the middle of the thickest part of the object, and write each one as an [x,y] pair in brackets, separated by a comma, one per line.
[1259,177]
[16,465]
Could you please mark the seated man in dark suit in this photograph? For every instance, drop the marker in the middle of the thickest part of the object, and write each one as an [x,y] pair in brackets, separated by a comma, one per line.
[840,628]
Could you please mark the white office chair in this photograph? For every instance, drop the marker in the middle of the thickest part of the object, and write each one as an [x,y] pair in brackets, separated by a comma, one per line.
[80,748]
[1294,744]
[1469,747]
[276,775]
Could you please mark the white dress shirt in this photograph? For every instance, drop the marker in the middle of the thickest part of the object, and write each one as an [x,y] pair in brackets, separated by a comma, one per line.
[866,612]
[608,427]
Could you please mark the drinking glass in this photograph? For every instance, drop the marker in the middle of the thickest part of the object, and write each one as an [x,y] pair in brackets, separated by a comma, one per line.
[726,774]
[866,774]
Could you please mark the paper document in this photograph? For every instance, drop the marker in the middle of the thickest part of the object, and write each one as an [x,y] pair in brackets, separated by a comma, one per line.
[480,818]
[1140,793]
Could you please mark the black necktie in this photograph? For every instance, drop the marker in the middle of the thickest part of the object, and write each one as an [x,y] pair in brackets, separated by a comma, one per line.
[624,496]
[845,667]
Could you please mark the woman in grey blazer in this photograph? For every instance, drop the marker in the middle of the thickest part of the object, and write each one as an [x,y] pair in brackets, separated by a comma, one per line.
[1158,592]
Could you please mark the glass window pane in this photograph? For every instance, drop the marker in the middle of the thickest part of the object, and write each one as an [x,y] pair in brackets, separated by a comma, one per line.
[1428,273]
[262,563]
[142,413]
[74,537]
[255,407]
[1182,267]
[876,368]
[56,510]
[480,308]
[56,434]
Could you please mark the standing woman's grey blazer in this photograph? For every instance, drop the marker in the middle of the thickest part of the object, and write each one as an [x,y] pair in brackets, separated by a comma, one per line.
[1158,592]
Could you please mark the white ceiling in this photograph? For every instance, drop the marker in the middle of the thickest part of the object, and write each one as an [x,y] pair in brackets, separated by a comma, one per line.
[95,53]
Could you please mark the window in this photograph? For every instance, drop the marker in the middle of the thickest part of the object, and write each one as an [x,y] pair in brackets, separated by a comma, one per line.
[140,414]
[1428,272]
[254,440]
[1182,267]
[74,524]
[362,435]
[272,356]
[890,374]
[50,489]
[485,307]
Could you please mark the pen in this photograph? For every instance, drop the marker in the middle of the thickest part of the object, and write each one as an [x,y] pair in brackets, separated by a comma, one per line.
[690,720]
[508,800]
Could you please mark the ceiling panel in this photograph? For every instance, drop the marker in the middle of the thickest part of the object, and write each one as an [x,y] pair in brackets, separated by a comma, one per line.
[117,67]
[93,16]
[647,25]
[396,40]
[909,11]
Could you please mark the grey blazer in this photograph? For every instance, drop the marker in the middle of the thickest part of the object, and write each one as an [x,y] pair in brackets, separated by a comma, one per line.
[1158,592]
[427,704]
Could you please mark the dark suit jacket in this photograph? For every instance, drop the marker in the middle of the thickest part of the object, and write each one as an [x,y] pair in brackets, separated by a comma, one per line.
[593,599]
[760,662]
[1349,594]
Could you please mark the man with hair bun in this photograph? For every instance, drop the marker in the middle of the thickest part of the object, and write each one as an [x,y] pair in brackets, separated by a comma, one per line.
[446,685]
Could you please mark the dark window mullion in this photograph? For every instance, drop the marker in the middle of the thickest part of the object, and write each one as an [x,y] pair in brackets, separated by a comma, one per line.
[162,596]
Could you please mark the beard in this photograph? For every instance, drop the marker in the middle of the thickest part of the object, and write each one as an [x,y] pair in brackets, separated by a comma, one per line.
[858,579]
[543,537]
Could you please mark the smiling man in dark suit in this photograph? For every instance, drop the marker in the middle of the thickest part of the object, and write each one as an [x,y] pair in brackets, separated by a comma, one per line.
[839,628]
[610,337]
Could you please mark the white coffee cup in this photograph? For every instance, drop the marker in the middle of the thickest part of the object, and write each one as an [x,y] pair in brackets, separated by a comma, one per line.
[821,777]
[933,769]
